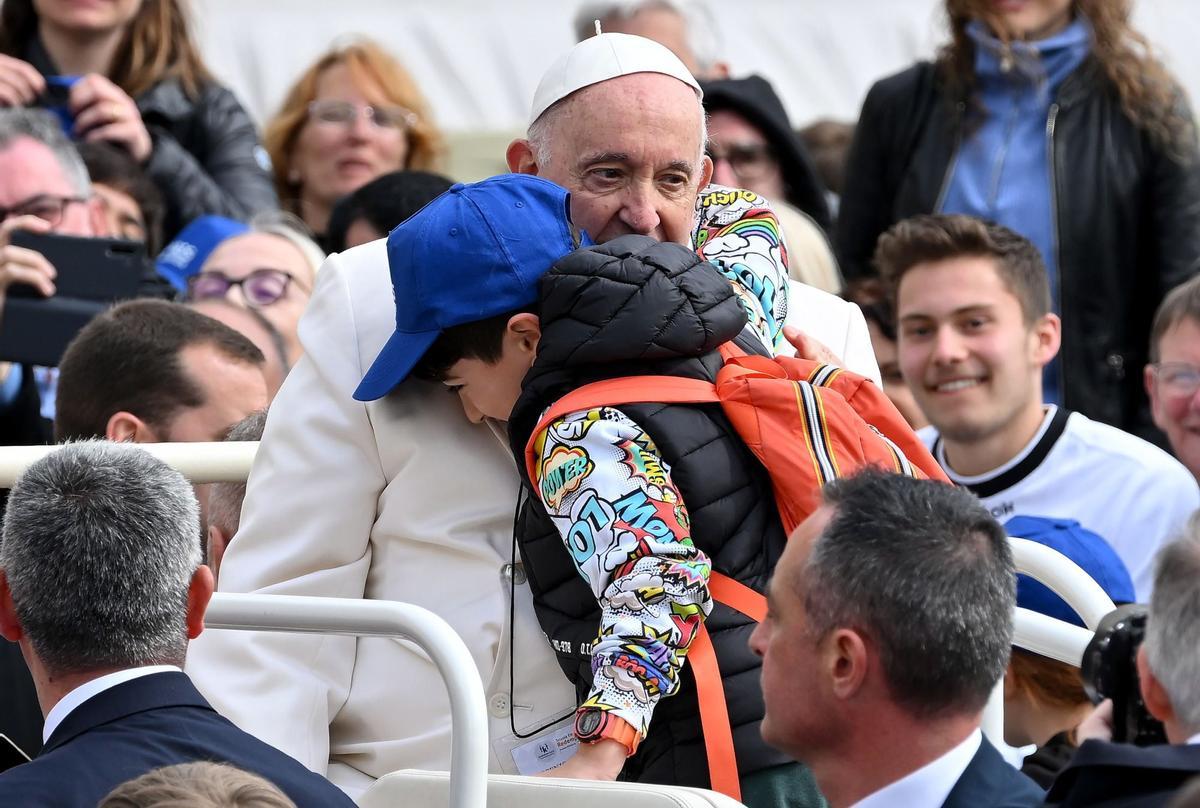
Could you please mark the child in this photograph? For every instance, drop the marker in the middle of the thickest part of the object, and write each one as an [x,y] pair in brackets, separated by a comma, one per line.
[631,506]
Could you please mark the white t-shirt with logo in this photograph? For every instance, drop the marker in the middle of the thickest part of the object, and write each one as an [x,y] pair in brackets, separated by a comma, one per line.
[1130,492]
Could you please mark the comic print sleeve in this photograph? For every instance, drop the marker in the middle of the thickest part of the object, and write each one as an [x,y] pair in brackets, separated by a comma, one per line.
[738,231]
[610,495]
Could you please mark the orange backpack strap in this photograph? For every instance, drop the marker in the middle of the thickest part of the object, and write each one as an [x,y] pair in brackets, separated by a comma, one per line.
[710,690]
[714,717]
[736,595]
[613,393]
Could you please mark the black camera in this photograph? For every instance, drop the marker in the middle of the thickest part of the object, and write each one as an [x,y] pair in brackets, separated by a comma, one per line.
[1109,670]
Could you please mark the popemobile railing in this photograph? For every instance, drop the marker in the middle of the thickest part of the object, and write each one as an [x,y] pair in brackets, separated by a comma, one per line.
[231,461]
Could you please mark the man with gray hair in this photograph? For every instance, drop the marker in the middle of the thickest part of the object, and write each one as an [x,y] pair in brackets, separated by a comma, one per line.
[1168,666]
[617,121]
[890,621]
[102,585]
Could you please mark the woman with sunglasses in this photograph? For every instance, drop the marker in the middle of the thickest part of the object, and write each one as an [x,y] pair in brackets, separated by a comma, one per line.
[127,72]
[353,116]
[271,268]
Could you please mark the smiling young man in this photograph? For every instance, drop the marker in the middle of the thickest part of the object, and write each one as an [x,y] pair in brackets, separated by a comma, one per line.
[975,331]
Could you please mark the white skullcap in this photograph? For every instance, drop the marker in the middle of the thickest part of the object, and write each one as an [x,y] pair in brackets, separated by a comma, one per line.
[603,57]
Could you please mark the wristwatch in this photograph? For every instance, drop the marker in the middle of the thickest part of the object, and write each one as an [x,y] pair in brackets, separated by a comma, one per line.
[592,725]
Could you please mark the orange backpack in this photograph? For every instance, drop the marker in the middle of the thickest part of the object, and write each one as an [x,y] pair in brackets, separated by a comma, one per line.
[806,422]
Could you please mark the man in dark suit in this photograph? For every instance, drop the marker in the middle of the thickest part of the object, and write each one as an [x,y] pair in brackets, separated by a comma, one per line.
[102,585]
[1118,775]
[890,619]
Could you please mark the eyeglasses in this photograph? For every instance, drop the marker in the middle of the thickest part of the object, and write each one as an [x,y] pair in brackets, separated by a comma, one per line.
[1180,378]
[344,113]
[750,161]
[47,207]
[262,287]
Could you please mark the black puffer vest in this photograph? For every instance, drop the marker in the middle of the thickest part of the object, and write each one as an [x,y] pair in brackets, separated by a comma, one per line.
[635,307]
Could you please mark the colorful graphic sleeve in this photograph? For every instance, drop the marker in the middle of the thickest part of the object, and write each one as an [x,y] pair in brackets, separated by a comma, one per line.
[624,523]
[738,231]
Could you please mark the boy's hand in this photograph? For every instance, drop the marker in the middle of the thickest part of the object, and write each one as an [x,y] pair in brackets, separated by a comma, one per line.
[602,760]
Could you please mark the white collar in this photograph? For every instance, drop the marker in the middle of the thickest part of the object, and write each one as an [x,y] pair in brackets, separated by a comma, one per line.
[930,785]
[976,479]
[1194,740]
[92,688]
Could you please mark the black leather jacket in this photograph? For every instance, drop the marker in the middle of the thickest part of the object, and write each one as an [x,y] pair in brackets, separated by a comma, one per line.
[206,154]
[1128,218]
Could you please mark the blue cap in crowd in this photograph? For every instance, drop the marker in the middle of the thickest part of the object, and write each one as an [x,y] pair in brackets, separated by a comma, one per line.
[476,251]
[182,258]
[1090,553]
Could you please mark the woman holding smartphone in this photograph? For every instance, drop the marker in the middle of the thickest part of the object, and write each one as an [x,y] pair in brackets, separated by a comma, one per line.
[127,72]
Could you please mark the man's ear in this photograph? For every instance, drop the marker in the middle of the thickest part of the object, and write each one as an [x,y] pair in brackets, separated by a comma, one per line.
[200,592]
[521,157]
[1158,703]
[525,331]
[125,427]
[706,172]
[846,662]
[1047,333]
[217,542]
[10,626]
[97,219]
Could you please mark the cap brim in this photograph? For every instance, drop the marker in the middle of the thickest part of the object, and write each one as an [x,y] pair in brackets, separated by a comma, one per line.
[394,363]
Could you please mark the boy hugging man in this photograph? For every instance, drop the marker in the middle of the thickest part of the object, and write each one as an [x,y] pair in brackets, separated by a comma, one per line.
[631,507]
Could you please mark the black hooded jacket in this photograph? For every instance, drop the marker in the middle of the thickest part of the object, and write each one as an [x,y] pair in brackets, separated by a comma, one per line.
[635,306]
[754,99]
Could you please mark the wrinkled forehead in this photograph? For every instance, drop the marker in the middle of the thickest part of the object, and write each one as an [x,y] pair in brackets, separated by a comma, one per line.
[29,168]
[628,114]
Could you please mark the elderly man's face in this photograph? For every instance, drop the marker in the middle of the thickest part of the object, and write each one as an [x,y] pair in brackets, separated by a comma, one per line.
[629,150]
[32,181]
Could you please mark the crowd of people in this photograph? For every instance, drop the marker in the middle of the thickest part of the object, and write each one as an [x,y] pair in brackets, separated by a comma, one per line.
[748,414]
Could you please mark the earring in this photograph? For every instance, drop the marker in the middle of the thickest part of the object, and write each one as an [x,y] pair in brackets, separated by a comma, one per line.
[293,176]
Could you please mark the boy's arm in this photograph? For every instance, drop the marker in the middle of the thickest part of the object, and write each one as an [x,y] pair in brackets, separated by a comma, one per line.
[739,232]
[607,490]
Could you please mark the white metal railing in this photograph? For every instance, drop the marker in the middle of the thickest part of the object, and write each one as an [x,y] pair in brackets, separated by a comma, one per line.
[225,462]
[1045,635]
[378,618]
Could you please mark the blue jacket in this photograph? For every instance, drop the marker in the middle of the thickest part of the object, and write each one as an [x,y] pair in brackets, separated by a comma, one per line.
[139,725]
[990,782]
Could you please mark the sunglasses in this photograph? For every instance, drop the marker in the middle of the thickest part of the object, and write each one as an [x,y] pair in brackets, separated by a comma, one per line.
[262,287]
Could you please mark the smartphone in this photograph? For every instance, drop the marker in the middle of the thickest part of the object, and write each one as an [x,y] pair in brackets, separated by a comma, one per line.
[56,98]
[102,269]
[10,754]
[92,274]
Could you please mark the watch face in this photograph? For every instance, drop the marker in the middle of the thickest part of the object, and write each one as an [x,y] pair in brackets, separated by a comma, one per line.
[589,723]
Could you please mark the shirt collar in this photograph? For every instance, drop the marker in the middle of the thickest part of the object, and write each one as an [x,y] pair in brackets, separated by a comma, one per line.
[95,687]
[930,785]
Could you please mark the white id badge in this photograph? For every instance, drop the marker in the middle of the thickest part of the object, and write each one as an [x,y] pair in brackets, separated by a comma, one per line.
[528,756]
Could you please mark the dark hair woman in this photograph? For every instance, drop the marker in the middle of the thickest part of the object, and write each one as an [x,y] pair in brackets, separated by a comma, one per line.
[1052,118]
[127,72]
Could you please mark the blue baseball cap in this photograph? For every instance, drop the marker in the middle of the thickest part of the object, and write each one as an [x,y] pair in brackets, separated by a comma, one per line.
[476,251]
[187,252]
[1088,550]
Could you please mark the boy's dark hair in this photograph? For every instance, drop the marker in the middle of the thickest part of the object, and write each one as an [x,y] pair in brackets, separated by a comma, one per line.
[128,359]
[108,165]
[481,339]
[1182,303]
[384,202]
[929,238]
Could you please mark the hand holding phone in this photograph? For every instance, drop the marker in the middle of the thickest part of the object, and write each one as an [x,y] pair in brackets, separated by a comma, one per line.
[22,265]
